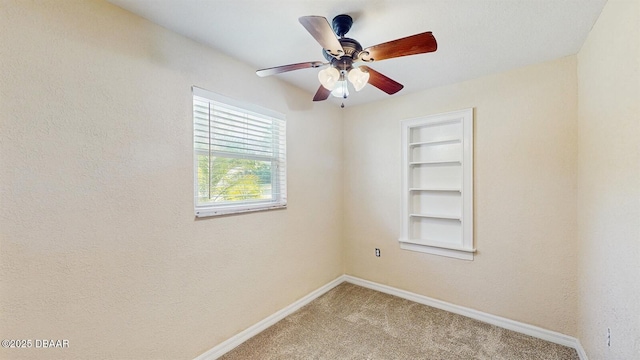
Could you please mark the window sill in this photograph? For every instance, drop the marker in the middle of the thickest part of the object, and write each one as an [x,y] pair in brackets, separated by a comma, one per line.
[232,210]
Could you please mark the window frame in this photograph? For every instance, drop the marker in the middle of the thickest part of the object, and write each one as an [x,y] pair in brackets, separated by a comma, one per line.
[278,160]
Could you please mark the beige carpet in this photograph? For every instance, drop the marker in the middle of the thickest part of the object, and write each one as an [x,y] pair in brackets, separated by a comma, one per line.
[352,322]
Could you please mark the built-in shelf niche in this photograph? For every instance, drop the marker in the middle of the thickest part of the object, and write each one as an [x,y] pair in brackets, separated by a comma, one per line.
[437,184]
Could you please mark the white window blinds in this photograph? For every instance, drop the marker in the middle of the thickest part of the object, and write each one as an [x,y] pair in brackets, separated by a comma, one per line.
[239,155]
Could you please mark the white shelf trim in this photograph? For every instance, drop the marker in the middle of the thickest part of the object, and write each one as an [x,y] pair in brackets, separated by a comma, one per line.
[438,216]
[451,168]
[438,162]
[436,189]
[436,142]
[437,244]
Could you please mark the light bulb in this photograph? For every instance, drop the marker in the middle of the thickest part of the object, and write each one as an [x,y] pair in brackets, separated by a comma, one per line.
[329,77]
[358,78]
[341,90]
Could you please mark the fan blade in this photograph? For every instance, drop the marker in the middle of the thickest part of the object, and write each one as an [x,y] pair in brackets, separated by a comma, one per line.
[291,67]
[320,29]
[410,45]
[322,94]
[382,82]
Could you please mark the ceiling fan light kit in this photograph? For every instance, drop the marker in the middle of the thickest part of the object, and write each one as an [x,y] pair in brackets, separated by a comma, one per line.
[342,53]
[359,78]
[334,80]
[329,77]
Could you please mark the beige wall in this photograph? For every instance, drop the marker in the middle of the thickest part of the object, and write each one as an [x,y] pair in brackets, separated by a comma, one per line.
[525,197]
[609,184]
[98,242]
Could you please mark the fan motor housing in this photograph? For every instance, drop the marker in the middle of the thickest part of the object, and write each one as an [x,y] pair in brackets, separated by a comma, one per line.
[342,24]
[351,49]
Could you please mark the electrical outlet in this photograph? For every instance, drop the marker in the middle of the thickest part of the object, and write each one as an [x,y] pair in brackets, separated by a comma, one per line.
[377,252]
[609,337]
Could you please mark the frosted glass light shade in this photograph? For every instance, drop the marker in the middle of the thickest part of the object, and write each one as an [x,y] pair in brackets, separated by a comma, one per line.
[329,77]
[341,90]
[358,78]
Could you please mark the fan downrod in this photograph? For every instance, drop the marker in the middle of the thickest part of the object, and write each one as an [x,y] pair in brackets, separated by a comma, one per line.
[342,24]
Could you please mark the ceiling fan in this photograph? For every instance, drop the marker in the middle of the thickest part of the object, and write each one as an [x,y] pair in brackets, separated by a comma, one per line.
[346,57]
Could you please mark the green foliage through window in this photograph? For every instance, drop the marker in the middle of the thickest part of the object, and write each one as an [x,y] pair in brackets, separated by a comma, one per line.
[223,179]
[240,162]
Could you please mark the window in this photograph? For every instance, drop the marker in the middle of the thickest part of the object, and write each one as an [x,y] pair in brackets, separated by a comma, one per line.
[239,156]
[437,184]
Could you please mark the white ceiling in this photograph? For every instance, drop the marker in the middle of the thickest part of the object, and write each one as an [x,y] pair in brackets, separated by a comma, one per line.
[475,37]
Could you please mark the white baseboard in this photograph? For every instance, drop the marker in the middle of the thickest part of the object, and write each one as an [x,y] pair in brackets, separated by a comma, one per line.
[250,332]
[581,353]
[537,332]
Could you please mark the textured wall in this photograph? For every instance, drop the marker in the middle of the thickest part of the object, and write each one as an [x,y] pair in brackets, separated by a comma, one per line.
[609,183]
[98,241]
[525,179]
